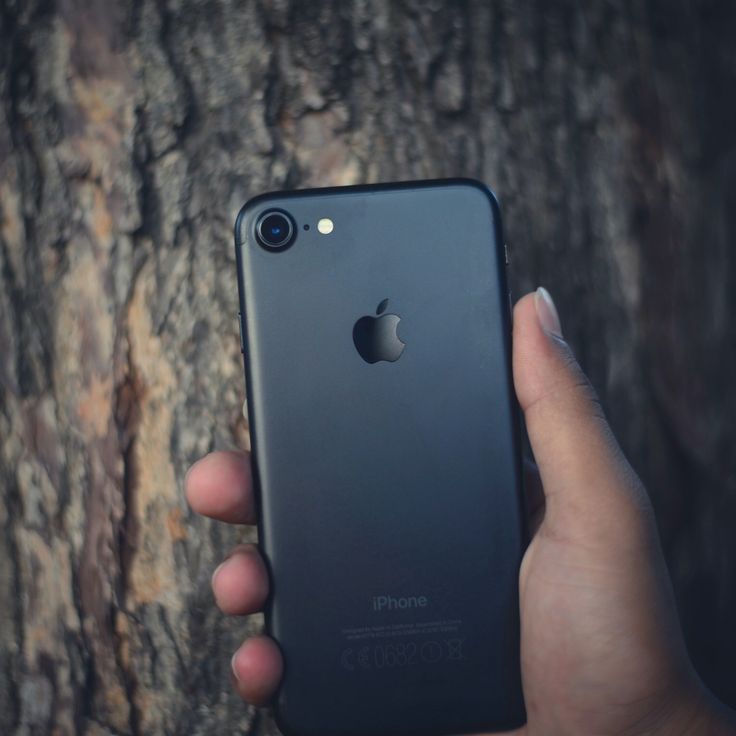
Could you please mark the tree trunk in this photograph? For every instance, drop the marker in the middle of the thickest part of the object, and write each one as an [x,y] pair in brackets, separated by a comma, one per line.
[130,136]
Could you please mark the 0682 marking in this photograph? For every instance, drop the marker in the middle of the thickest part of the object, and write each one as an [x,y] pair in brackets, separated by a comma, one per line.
[395,655]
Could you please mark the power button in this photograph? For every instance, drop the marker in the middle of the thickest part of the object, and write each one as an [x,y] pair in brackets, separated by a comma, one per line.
[240,328]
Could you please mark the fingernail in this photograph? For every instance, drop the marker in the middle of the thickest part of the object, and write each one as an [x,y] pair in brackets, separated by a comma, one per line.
[547,315]
[189,471]
[232,667]
[217,570]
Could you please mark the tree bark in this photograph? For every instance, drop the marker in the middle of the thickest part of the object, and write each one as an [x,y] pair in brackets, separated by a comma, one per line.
[129,137]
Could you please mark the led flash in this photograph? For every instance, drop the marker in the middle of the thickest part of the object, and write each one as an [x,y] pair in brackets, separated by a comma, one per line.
[325,226]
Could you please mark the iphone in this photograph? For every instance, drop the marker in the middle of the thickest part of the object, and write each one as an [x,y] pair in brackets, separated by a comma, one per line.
[375,325]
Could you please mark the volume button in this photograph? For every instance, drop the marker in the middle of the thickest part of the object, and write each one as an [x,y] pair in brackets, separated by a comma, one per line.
[240,328]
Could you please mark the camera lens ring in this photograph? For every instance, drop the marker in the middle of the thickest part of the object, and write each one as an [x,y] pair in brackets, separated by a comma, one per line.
[275,230]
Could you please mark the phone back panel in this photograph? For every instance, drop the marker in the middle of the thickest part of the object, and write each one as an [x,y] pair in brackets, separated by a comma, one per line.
[389,493]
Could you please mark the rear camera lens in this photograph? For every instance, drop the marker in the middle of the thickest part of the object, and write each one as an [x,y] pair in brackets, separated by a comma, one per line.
[275,230]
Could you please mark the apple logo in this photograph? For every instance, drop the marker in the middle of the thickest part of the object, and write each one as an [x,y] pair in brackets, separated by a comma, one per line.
[375,338]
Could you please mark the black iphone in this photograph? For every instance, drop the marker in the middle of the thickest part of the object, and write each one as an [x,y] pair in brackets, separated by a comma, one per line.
[376,334]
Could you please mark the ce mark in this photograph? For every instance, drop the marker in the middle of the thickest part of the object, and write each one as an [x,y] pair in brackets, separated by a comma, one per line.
[349,657]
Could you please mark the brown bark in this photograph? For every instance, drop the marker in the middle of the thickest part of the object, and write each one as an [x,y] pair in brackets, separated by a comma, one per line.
[129,137]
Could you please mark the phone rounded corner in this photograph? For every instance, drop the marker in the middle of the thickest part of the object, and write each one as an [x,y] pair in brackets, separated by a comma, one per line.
[487,191]
[244,212]
[239,224]
[285,724]
[494,207]
[519,720]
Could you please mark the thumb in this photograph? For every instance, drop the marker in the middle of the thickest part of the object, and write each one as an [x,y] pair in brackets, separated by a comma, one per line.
[589,486]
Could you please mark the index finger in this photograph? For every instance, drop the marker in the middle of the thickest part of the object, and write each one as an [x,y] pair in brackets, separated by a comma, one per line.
[220,486]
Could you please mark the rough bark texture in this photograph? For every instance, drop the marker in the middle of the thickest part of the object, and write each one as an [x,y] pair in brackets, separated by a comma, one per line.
[129,137]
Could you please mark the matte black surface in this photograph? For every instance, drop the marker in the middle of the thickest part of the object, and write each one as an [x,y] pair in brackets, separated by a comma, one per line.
[396,479]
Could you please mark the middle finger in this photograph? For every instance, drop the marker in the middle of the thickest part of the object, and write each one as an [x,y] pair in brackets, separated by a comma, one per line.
[240,583]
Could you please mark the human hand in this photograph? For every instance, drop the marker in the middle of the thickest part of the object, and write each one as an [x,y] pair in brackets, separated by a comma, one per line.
[601,646]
